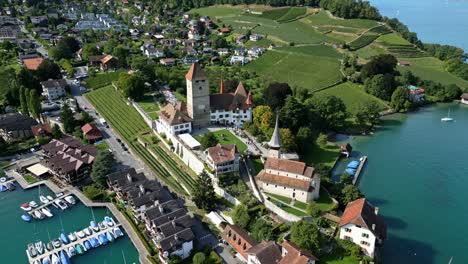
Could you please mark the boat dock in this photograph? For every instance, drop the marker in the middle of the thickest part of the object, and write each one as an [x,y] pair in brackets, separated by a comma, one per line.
[359,169]
[31,212]
[8,181]
[73,244]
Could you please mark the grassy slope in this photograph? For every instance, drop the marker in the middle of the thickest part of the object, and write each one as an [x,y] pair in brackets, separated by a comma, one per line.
[149,106]
[322,19]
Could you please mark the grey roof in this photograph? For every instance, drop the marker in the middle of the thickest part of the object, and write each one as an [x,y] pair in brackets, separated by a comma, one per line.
[16,121]
[176,240]
[176,225]
[124,178]
[168,217]
[275,142]
[162,209]
[54,83]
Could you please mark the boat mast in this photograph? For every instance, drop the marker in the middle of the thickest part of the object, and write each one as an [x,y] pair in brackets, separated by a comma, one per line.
[123,255]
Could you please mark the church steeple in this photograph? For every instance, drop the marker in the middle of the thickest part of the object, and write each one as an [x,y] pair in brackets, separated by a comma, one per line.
[275,141]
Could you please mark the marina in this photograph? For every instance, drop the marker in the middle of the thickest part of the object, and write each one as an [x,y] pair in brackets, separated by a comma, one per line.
[57,202]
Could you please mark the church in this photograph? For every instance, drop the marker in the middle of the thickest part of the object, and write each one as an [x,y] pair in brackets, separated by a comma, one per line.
[204,109]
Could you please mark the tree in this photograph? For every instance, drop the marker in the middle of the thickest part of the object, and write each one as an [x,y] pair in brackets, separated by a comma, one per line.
[85,117]
[350,193]
[102,166]
[381,64]
[288,140]
[121,53]
[71,43]
[23,92]
[381,86]
[306,235]
[67,118]
[56,132]
[34,104]
[275,95]
[331,111]
[68,67]
[241,216]
[219,42]
[90,50]
[208,140]
[132,85]
[303,139]
[204,196]
[293,114]
[48,70]
[401,99]
[199,258]
[60,51]
[312,209]
[409,78]
[263,117]
[367,115]
[261,230]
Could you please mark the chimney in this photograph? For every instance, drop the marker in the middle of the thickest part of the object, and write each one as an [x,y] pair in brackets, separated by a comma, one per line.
[376,210]
[129,178]
[142,189]
[174,223]
[176,238]
[161,209]
[373,227]
[156,203]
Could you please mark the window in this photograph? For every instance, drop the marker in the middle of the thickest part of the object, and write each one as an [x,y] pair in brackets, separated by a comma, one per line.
[199,88]
[365,243]
[365,235]
[348,230]
[348,238]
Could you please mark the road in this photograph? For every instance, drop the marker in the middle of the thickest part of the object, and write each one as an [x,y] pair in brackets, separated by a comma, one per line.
[39,48]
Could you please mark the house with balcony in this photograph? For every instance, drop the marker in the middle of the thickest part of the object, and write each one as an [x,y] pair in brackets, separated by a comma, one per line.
[54,89]
[222,159]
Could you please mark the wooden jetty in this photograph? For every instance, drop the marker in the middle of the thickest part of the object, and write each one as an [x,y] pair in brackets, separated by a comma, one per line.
[65,193]
[359,169]
[80,241]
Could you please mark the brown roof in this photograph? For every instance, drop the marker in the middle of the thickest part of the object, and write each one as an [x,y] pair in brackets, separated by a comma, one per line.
[91,132]
[290,166]
[224,30]
[267,252]
[231,101]
[32,64]
[40,130]
[239,239]
[96,58]
[106,59]
[360,212]
[464,96]
[222,153]
[168,60]
[295,255]
[196,72]
[175,115]
[289,182]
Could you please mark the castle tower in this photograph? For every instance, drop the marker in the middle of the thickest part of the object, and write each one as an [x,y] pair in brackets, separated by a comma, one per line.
[198,96]
[274,150]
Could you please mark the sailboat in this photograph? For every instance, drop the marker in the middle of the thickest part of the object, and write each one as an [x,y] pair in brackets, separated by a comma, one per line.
[447,118]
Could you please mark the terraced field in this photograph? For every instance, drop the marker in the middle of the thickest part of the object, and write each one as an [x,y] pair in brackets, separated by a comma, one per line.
[293,13]
[368,37]
[275,14]
[129,124]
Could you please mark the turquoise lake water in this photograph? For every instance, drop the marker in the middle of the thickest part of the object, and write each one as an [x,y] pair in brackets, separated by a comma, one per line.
[417,175]
[16,234]
[435,21]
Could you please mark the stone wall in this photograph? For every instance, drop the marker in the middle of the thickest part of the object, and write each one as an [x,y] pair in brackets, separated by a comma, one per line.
[143,114]
[285,216]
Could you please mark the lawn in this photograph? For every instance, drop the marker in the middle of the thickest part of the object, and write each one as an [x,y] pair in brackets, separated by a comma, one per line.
[257,164]
[324,202]
[102,146]
[283,199]
[149,106]
[102,79]
[335,259]
[325,154]
[218,11]
[129,124]
[392,39]
[352,95]
[225,137]
[311,67]
[30,179]
[430,68]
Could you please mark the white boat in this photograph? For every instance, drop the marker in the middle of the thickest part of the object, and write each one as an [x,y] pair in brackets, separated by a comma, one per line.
[38,214]
[70,199]
[33,204]
[43,199]
[61,204]
[46,212]
[55,259]
[447,118]
[26,207]
[50,198]
[72,237]
[39,247]
[60,194]
[87,231]
[80,234]
[45,260]
[2,179]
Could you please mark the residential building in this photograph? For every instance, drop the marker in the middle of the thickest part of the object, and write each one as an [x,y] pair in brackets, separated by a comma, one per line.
[41,130]
[109,63]
[291,253]
[416,94]
[154,52]
[224,31]
[189,60]
[239,240]
[91,132]
[238,60]
[168,62]
[255,37]
[464,98]
[255,51]
[404,63]
[54,89]
[174,120]
[193,34]
[32,64]
[223,51]
[263,253]
[37,19]
[223,159]
[15,126]
[362,225]
[68,159]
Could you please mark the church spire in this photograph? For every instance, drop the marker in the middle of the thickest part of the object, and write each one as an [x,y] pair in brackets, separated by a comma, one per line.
[275,142]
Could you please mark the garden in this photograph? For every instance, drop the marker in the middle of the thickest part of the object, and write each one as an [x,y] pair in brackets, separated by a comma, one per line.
[225,137]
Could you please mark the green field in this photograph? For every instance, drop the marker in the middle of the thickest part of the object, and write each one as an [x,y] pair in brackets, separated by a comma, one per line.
[430,68]
[129,124]
[149,106]
[275,14]
[102,79]
[311,67]
[225,137]
[293,13]
[392,39]
[326,154]
[352,95]
[362,41]
[218,11]
[323,19]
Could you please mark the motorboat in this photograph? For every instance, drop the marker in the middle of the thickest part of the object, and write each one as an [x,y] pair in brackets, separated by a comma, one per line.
[33,204]
[26,207]
[3,179]
[94,226]
[109,236]
[72,236]
[60,194]
[38,214]
[36,262]
[72,251]
[87,231]
[49,246]
[39,247]
[79,249]
[117,232]
[87,245]
[69,199]
[46,212]
[80,234]
[26,218]
[61,204]
[50,198]
[56,243]
[64,259]
[55,259]
[109,221]
[94,242]
[31,250]
[11,186]
[46,260]
[3,188]
[64,238]
[102,239]
[43,199]
[102,225]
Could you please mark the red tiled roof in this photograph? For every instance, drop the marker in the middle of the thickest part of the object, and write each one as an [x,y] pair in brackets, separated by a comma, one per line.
[289,182]
[222,153]
[240,99]
[195,72]
[39,130]
[267,252]
[91,132]
[290,166]
[239,239]
[360,212]
[106,59]
[32,64]
[174,115]
[295,255]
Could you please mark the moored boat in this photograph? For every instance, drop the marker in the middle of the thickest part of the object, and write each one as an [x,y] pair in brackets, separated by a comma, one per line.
[102,225]
[43,199]
[79,249]
[26,218]
[33,204]
[87,231]
[64,238]
[38,214]
[72,236]
[109,221]
[50,198]
[64,259]
[49,246]
[3,179]
[3,188]
[69,199]
[61,204]
[94,242]
[26,207]
[36,262]
[87,245]
[55,259]
[31,250]
[39,247]
[102,239]
[80,234]
[109,236]
[117,232]
[72,251]
[11,186]
[94,226]
[60,194]
[56,243]
[46,212]
[46,260]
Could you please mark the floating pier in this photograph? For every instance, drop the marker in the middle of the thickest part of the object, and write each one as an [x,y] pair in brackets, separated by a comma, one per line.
[78,240]
[359,169]
[65,193]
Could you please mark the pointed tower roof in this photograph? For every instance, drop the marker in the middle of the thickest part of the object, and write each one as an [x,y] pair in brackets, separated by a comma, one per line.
[249,99]
[275,142]
[221,86]
[240,89]
[195,72]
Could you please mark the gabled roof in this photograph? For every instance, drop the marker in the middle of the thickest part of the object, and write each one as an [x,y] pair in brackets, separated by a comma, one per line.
[267,252]
[174,115]
[291,166]
[54,83]
[39,130]
[16,121]
[289,182]
[240,99]
[91,131]
[196,72]
[275,141]
[222,153]
[33,63]
[295,255]
[107,58]
[361,213]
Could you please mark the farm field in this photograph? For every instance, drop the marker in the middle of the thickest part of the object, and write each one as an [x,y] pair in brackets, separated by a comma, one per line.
[293,13]
[322,19]
[129,124]
[311,67]
[225,137]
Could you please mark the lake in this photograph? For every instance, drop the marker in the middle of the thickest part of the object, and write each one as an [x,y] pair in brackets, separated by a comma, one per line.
[417,175]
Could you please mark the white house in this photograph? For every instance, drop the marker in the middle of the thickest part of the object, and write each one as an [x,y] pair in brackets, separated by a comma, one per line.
[154,52]
[416,94]
[53,89]
[255,37]
[173,120]
[464,98]
[238,59]
[193,34]
[255,51]
[362,225]
[223,159]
